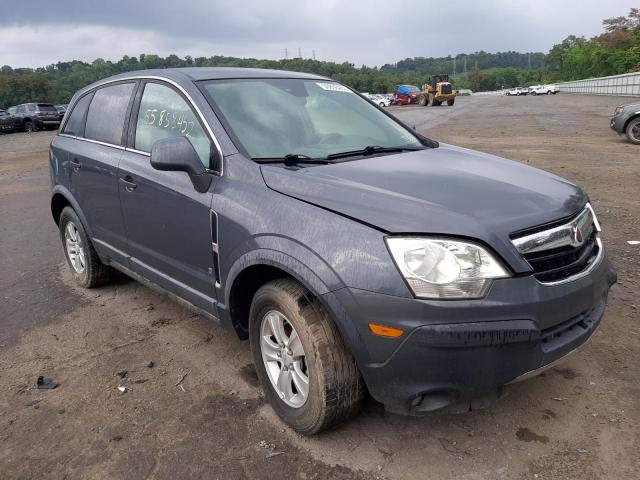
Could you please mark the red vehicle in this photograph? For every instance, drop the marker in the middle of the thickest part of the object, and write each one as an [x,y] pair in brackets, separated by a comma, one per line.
[406,94]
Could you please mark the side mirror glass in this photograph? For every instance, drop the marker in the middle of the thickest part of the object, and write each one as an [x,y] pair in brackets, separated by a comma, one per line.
[177,154]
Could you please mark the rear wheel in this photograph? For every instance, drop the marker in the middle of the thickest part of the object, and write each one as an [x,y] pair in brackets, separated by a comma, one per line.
[422,100]
[307,373]
[86,268]
[451,102]
[549,92]
[633,131]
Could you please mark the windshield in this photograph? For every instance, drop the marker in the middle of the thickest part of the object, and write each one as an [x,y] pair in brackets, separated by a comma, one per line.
[275,117]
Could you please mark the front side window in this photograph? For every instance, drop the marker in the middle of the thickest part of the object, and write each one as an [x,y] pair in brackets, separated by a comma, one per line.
[74,125]
[165,114]
[21,109]
[106,116]
[274,117]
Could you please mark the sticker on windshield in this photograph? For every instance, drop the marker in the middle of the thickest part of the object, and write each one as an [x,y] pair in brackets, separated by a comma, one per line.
[334,87]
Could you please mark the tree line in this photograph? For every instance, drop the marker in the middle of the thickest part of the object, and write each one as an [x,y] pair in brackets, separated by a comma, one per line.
[616,50]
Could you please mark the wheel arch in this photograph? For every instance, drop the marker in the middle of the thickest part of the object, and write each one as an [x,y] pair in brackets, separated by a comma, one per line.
[61,198]
[257,267]
[633,117]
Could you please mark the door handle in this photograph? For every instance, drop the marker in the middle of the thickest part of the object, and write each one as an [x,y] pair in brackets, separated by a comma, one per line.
[75,164]
[129,184]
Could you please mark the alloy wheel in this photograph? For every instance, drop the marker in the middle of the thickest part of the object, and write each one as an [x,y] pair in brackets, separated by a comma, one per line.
[284,359]
[74,247]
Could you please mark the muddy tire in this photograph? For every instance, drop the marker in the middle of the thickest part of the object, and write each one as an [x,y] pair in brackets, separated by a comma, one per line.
[422,100]
[293,337]
[430,100]
[633,131]
[436,103]
[451,102]
[86,268]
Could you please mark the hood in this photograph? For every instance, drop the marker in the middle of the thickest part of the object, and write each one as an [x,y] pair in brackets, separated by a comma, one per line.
[447,190]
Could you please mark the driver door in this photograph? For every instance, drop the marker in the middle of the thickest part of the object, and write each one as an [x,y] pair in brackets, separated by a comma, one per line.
[167,222]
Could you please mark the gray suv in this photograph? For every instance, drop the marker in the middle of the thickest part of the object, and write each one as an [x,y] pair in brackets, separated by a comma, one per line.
[626,120]
[352,252]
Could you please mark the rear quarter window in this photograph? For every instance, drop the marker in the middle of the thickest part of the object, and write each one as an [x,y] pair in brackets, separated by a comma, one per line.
[75,124]
[106,115]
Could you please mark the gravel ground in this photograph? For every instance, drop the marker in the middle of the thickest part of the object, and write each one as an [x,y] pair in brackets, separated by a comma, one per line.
[580,420]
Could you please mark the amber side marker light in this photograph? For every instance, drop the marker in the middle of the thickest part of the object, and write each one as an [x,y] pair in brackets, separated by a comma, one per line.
[385,331]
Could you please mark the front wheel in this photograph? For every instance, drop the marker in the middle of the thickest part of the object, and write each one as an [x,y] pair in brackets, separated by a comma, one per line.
[307,373]
[451,102]
[29,127]
[633,131]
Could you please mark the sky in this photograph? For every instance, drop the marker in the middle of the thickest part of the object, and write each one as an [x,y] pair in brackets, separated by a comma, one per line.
[40,32]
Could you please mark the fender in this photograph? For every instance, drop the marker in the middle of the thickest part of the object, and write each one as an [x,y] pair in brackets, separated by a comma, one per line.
[631,118]
[61,190]
[299,270]
[275,258]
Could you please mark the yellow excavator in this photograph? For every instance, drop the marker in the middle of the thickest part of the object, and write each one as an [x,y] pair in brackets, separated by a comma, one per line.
[437,91]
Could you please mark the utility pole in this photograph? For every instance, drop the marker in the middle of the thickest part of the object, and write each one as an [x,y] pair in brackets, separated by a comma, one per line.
[299,52]
[313,53]
[465,64]
[454,65]
[529,60]
[286,53]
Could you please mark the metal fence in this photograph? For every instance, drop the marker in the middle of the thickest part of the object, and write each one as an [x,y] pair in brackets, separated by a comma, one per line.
[627,84]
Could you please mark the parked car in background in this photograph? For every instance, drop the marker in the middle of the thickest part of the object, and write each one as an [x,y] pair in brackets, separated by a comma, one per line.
[29,117]
[351,251]
[626,120]
[61,109]
[406,94]
[518,91]
[6,123]
[543,90]
[381,100]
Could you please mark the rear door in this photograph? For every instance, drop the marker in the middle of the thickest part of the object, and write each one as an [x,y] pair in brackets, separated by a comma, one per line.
[92,162]
[168,222]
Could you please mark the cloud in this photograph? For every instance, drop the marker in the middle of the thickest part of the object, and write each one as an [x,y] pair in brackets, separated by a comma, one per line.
[372,32]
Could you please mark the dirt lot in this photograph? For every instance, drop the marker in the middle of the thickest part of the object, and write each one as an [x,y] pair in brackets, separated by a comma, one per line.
[578,421]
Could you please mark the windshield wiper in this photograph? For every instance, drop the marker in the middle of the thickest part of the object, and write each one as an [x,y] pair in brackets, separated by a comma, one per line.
[292,159]
[370,150]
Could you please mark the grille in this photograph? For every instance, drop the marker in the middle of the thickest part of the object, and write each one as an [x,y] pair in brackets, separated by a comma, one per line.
[446,89]
[560,251]
[562,263]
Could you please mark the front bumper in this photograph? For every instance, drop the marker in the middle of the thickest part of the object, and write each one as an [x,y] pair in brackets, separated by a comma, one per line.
[458,353]
[617,123]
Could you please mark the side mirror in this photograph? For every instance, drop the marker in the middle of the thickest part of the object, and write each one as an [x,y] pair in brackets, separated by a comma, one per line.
[177,154]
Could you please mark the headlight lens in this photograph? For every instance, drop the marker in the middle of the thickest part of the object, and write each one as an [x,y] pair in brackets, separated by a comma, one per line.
[445,269]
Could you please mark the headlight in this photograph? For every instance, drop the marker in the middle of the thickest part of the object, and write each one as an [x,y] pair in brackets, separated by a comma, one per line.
[445,269]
